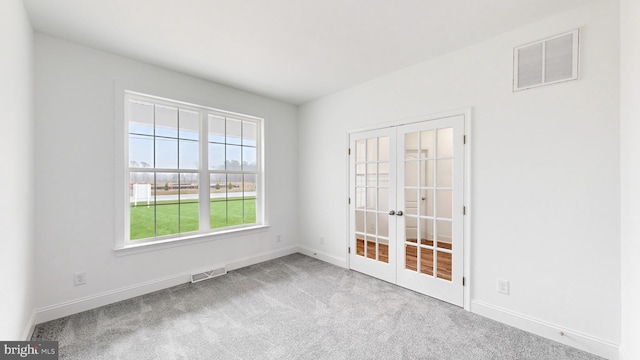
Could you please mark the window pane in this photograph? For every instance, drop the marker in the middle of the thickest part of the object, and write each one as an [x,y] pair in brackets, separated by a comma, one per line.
[189,218]
[360,175]
[384,149]
[189,125]
[361,152]
[411,201]
[189,154]
[426,232]
[248,158]
[216,156]
[218,213]
[249,133]
[360,221]
[166,153]
[234,157]
[444,203]
[234,212]
[234,131]
[372,149]
[140,118]
[426,202]
[411,173]
[216,129]
[372,197]
[141,187]
[411,227]
[411,146]
[426,261]
[140,151]
[383,225]
[167,221]
[141,221]
[250,211]
[166,121]
[411,257]
[426,174]
[188,187]
[234,185]
[167,188]
[383,174]
[445,173]
[426,144]
[383,199]
[218,196]
[218,188]
[250,182]
[444,265]
[443,231]
[445,142]
[372,174]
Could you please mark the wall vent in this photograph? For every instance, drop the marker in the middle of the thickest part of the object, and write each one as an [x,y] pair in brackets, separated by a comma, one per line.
[547,61]
[208,274]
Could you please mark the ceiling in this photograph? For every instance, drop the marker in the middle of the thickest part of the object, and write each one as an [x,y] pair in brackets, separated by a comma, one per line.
[292,50]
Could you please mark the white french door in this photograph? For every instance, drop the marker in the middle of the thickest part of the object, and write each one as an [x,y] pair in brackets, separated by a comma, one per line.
[406,210]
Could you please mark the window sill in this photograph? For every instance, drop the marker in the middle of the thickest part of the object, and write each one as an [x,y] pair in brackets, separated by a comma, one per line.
[148,246]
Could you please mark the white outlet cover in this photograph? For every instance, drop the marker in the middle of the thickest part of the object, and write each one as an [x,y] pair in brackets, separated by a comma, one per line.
[503,287]
[79,278]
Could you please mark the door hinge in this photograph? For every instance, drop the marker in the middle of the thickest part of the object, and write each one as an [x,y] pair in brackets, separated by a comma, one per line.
[349,250]
[463,281]
[464,139]
[349,201]
[464,210]
[349,151]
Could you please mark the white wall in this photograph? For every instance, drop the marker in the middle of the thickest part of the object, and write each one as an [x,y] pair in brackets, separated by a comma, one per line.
[630,175]
[545,177]
[75,190]
[16,166]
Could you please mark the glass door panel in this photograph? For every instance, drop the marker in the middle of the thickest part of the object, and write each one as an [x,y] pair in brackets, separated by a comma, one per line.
[372,192]
[430,180]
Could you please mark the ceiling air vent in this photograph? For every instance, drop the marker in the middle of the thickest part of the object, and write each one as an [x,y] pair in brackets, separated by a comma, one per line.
[545,62]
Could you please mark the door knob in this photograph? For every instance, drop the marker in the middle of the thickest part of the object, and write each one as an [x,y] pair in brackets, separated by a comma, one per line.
[392,212]
[399,213]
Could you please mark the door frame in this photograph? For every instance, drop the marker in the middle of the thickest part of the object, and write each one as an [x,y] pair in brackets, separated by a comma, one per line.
[467,178]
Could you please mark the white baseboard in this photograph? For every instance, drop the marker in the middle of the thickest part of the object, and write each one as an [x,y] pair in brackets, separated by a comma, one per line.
[75,306]
[322,256]
[548,330]
[31,325]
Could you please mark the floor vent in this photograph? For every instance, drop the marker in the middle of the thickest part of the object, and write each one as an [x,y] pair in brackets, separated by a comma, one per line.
[208,274]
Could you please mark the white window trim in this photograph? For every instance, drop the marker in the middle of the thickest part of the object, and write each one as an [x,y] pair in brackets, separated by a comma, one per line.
[123,245]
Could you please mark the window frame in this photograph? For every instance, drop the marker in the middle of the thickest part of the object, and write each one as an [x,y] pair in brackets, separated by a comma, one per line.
[203,171]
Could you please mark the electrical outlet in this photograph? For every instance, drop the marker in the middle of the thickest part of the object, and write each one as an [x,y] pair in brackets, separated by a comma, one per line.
[279,238]
[321,239]
[79,278]
[503,287]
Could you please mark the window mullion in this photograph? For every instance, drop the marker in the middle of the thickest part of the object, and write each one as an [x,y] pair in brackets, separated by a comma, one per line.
[203,177]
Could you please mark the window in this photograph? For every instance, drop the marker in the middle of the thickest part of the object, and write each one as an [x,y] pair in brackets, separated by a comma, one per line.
[191,169]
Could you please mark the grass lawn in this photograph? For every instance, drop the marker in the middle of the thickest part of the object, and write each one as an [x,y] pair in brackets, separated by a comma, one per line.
[172,218]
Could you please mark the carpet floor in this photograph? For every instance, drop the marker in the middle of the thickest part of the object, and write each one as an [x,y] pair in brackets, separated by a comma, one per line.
[294,307]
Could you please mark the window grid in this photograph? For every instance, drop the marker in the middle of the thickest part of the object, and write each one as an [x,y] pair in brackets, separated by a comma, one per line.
[184,186]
